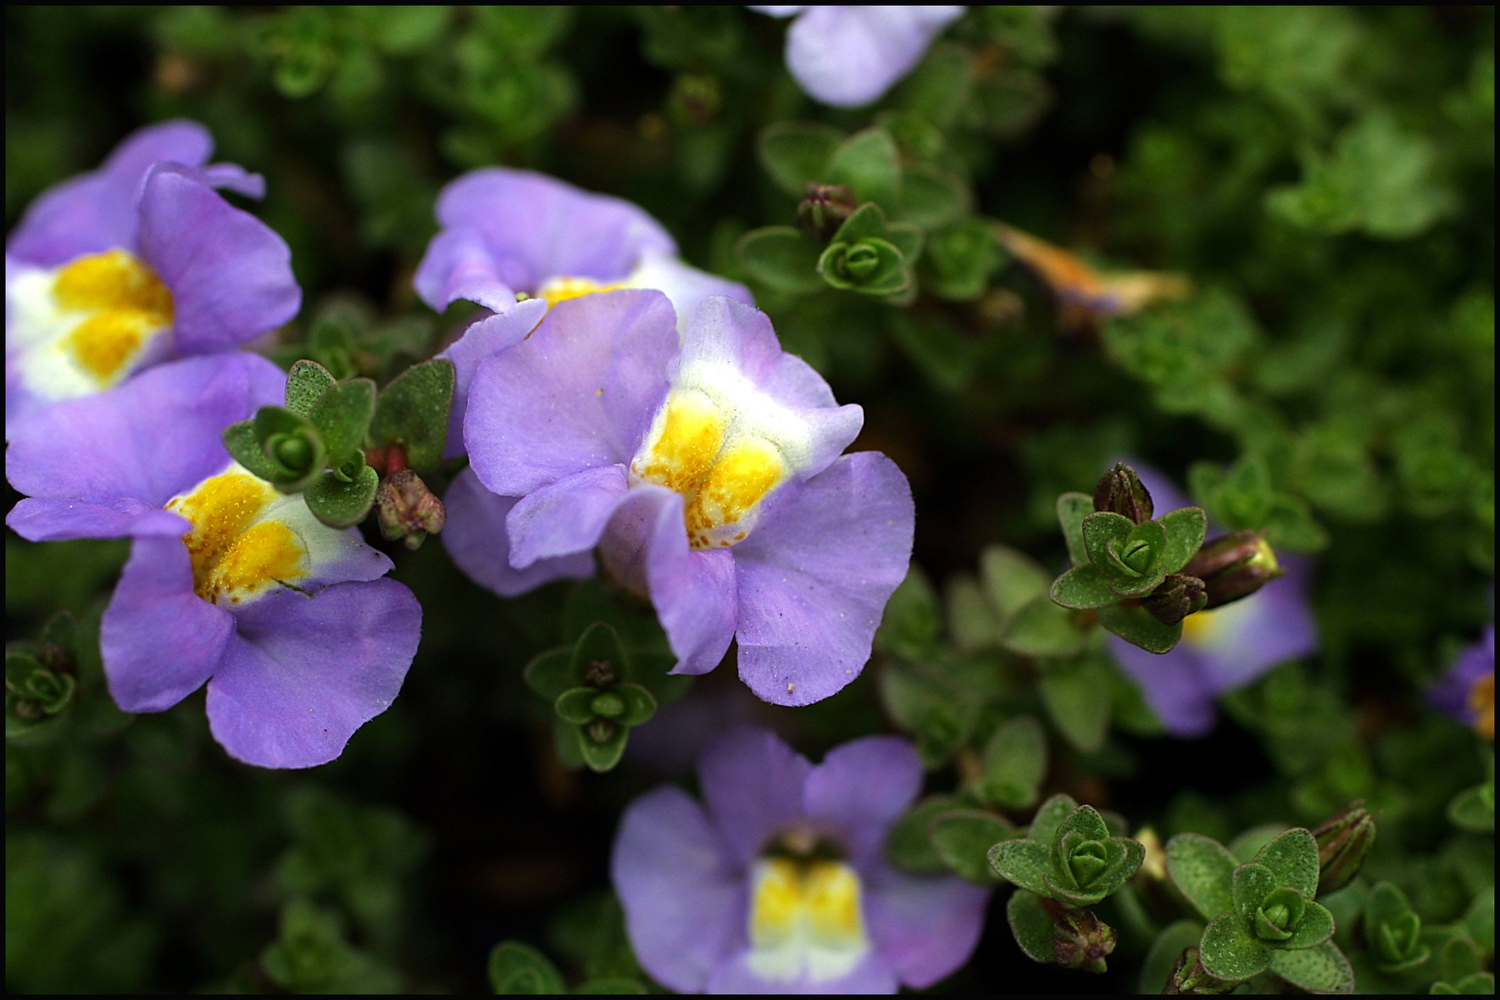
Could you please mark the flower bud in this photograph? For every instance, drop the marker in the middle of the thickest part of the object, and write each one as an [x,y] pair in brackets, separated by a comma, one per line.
[1082,941]
[824,209]
[1233,566]
[1120,490]
[406,509]
[1178,596]
[1190,978]
[1343,841]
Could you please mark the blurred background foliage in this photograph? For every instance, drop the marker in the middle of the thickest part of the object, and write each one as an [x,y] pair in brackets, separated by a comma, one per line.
[1323,174]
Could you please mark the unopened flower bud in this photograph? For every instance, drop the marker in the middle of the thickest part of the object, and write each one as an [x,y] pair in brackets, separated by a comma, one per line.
[1233,566]
[824,209]
[1120,490]
[406,509]
[1343,841]
[1190,978]
[1082,941]
[1178,596]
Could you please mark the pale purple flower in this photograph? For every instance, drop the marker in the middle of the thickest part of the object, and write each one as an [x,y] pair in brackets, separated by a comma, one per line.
[707,470]
[778,883]
[507,232]
[137,263]
[850,56]
[229,582]
[1459,693]
[1222,649]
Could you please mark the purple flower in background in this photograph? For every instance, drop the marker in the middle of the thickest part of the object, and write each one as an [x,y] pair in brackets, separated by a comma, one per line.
[1221,649]
[778,882]
[137,263]
[508,231]
[708,472]
[1466,691]
[850,56]
[228,582]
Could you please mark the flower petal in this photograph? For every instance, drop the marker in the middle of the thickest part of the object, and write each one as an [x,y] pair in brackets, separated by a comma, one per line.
[579,393]
[538,227]
[52,520]
[458,264]
[814,577]
[565,517]
[684,284]
[684,906]
[484,337]
[160,641]
[138,445]
[863,787]
[1175,685]
[925,927]
[96,211]
[476,538]
[849,56]
[871,975]
[230,274]
[1252,635]
[752,784]
[303,674]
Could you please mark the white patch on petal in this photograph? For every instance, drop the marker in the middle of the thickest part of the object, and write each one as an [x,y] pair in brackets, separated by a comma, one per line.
[1219,630]
[806,920]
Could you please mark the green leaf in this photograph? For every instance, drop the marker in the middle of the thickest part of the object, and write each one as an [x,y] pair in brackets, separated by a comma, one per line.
[551,673]
[872,266]
[867,222]
[1460,957]
[1044,628]
[1202,868]
[933,197]
[292,445]
[1228,950]
[576,705]
[960,260]
[1165,950]
[610,985]
[602,754]
[1083,588]
[342,415]
[1049,816]
[339,504]
[907,238]
[599,657]
[1032,925]
[1027,863]
[1185,531]
[1139,627]
[304,384]
[1133,567]
[783,258]
[909,847]
[1011,578]
[1072,508]
[866,163]
[962,838]
[1085,821]
[1249,886]
[1070,691]
[1315,927]
[1480,919]
[1014,763]
[1473,809]
[244,448]
[640,704]
[1320,969]
[796,154]
[1480,983]
[1293,859]
[519,968]
[412,411]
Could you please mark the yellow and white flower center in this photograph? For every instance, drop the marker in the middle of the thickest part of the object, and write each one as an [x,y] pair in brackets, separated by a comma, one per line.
[561,289]
[247,539]
[82,327]
[725,446]
[806,919]
[1212,631]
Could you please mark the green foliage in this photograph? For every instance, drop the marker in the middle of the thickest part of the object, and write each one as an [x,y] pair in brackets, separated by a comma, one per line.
[1076,862]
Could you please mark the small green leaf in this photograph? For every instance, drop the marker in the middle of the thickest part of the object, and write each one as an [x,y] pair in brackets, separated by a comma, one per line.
[519,968]
[1160,961]
[599,658]
[1320,969]
[1185,532]
[1293,859]
[783,258]
[1480,919]
[872,266]
[1315,927]
[1102,531]
[866,164]
[244,448]
[1133,567]
[1014,763]
[962,838]
[1026,863]
[1228,951]
[1084,821]
[1473,809]
[640,704]
[1072,508]
[611,986]
[339,504]
[292,447]
[1032,925]
[1139,627]
[909,847]
[1049,816]
[1070,691]
[796,154]
[1011,578]
[342,415]
[1044,628]
[412,411]
[1249,886]
[602,744]
[1460,957]
[304,384]
[933,197]
[1083,588]
[551,673]
[576,705]
[1201,868]
[907,238]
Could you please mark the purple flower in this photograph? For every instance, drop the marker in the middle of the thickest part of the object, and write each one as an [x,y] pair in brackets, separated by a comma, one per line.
[778,883]
[707,471]
[137,263]
[1221,649]
[849,56]
[228,582]
[508,231]
[1466,691]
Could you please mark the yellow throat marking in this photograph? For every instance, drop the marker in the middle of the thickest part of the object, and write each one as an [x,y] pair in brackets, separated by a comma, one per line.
[556,290]
[722,475]
[235,552]
[122,304]
[805,918]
